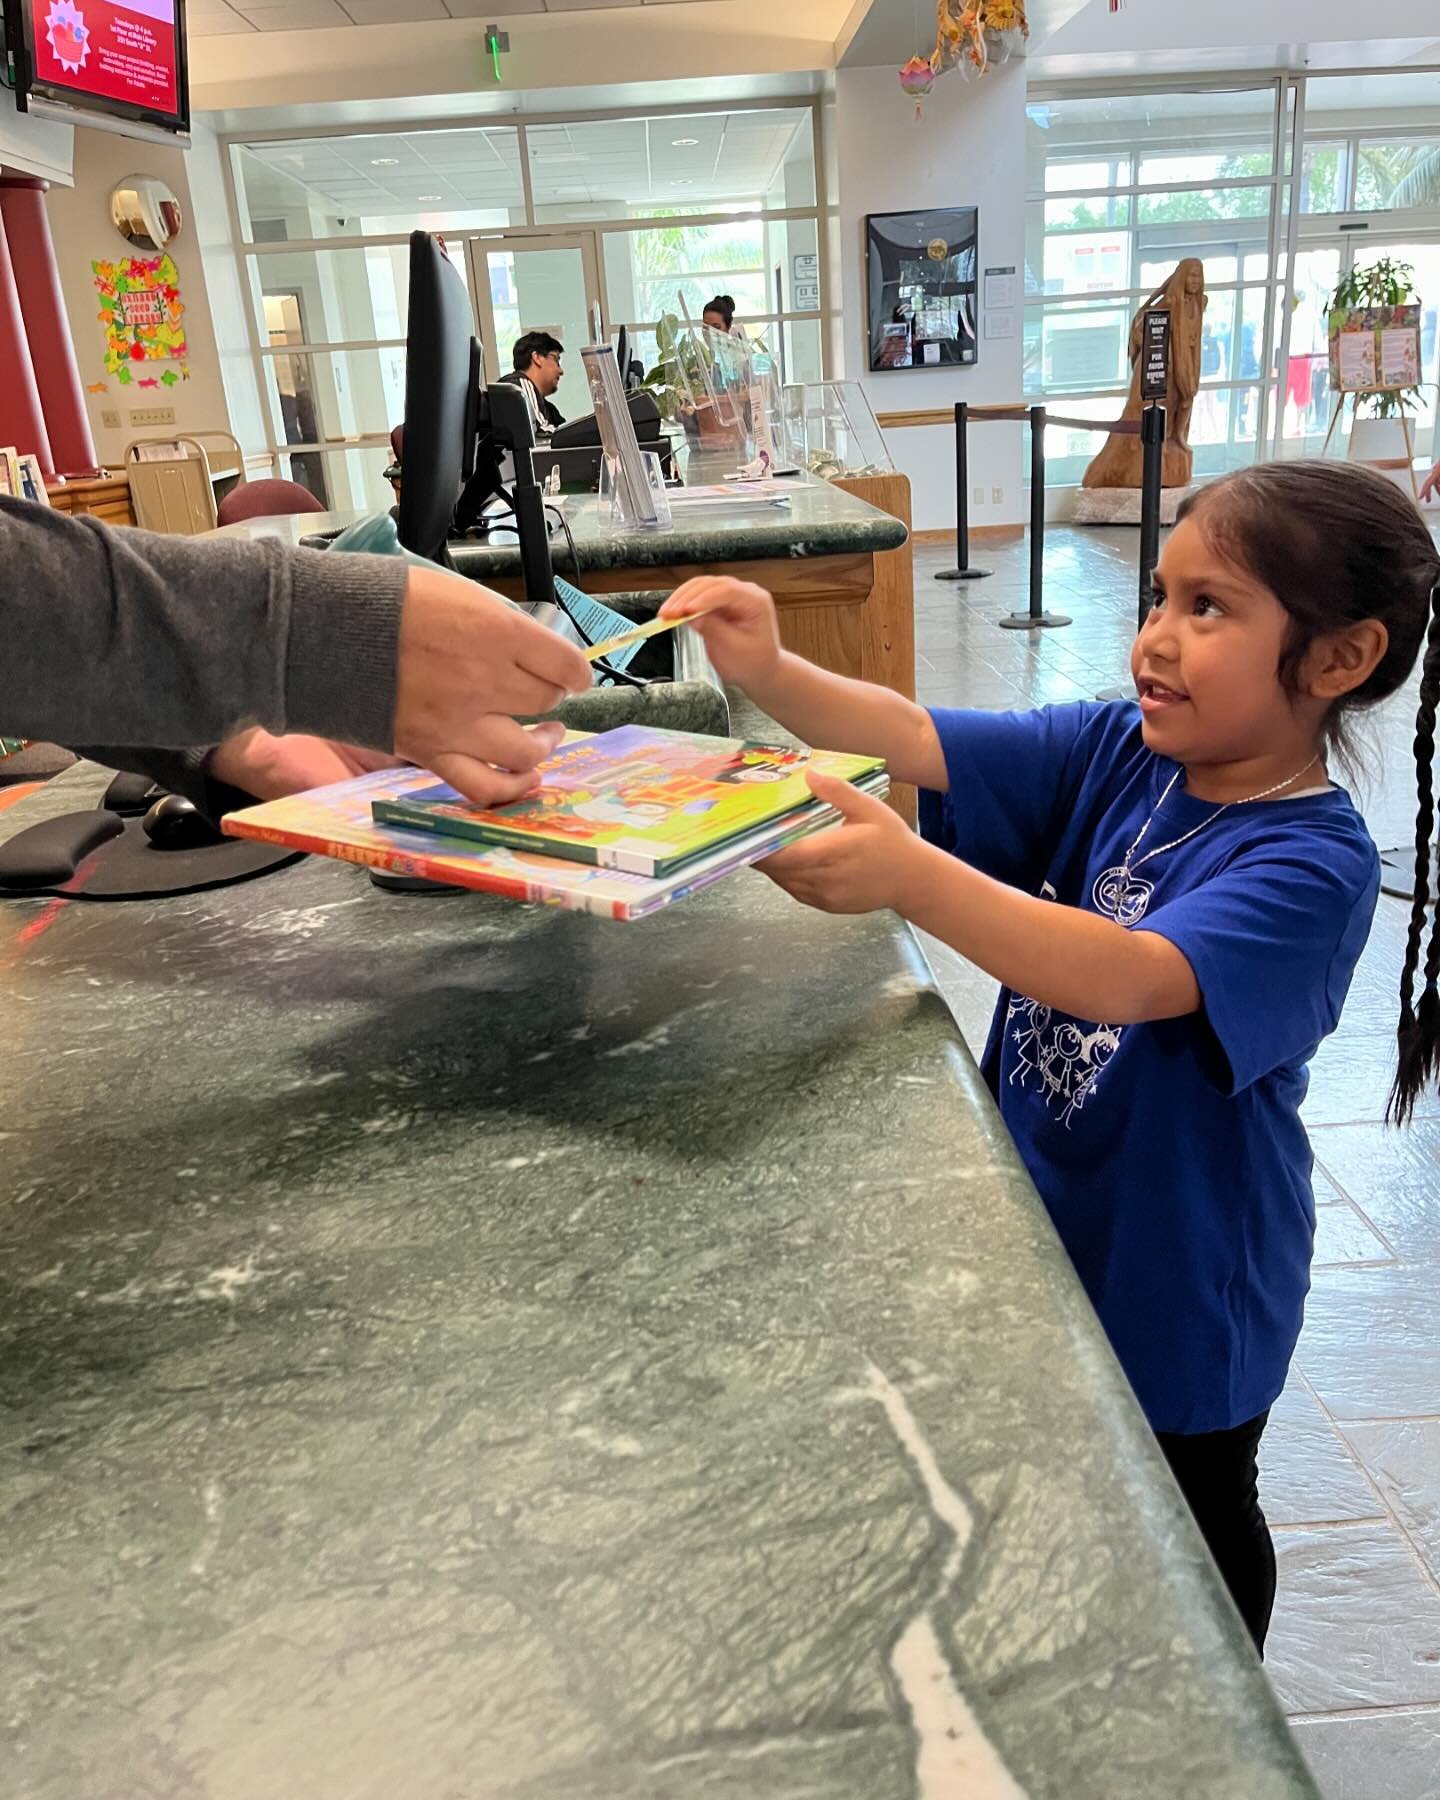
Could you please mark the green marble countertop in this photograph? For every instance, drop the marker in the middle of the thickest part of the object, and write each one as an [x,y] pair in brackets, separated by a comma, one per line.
[821,520]
[453,1351]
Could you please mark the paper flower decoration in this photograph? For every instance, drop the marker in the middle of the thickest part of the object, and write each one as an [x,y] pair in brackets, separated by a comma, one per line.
[970,35]
[917,78]
[142,312]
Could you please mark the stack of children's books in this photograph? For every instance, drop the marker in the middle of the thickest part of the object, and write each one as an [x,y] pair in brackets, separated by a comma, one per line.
[624,822]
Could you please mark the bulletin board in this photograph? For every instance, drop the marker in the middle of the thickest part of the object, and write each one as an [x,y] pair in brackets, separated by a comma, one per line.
[142,313]
[1375,349]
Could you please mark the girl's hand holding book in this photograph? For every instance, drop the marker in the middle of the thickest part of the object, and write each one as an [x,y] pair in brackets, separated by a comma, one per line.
[741,633]
[863,865]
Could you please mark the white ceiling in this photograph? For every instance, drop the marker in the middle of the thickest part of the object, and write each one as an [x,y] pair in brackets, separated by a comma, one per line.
[890,30]
[620,162]
[219,18]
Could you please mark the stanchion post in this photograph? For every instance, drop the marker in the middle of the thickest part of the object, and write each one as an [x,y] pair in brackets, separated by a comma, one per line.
[1152,439]
[962,570]
[1036,619]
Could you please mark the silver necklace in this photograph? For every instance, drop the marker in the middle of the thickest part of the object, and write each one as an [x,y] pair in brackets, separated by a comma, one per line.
[1120,896]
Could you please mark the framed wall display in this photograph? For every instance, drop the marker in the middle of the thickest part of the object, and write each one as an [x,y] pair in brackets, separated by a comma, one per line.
[922,272]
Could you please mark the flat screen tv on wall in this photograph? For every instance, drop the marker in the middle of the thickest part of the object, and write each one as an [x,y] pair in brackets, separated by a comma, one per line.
[119,64]
[921,270]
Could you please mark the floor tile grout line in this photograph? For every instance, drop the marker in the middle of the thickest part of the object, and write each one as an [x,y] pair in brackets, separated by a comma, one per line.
[1429,1576]
[1301,1527]
[1401,1709]
[1344,1425]
[1352,1202]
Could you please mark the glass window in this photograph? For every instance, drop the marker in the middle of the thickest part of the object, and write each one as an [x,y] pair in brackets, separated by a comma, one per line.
[1173,138]
[1196,204]
[645,270]
[1325,178]
[1097,212]
[1397,174]
[379,185]
[1192,168]
[687,163]
[1066,175]
[350,393]
[1086,262]
[1079,349]
[343,480]
[1068,449]
[332,296]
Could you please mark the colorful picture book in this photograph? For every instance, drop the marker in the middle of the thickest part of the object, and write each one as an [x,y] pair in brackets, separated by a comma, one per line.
[636,799]
[337,821]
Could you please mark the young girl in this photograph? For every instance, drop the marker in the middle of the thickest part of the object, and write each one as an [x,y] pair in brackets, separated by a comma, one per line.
[1173,896]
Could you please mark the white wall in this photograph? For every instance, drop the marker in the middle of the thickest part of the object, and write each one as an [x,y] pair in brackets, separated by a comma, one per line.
[32,146]
[80,224]
[968,149]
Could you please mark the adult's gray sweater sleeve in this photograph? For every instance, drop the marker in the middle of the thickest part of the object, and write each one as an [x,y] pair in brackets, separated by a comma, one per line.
[124,638]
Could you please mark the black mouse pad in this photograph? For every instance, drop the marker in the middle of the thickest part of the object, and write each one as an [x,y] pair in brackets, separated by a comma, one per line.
[62,857]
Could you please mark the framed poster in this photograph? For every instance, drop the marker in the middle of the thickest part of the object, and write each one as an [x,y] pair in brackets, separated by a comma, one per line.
[922,273]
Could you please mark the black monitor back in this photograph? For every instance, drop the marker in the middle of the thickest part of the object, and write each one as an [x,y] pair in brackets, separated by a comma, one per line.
[584,433]
[442,396]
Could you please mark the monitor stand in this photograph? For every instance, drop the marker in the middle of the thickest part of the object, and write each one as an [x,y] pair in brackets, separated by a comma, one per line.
[505,426]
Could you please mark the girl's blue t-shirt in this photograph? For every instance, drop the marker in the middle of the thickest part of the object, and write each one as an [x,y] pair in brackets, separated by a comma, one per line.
[1170,1156]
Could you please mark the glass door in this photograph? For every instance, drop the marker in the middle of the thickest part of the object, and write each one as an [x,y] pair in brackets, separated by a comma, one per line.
[1305,404]
[529,283]
[1423,255]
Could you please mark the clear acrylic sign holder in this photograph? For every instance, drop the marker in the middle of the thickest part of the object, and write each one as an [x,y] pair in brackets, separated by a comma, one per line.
[634,500]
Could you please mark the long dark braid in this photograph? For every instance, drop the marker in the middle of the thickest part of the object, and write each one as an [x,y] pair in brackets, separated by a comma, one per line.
[1419,1034]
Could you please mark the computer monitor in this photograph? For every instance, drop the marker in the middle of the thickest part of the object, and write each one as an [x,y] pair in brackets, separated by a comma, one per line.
[457,431]
[442,400]
[456,434]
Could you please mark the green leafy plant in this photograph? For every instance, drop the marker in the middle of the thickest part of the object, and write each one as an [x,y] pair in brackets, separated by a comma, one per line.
[679,373]
[1385,282]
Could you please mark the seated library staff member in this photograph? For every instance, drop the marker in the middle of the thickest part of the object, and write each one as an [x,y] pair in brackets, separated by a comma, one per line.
[719,313]
[229,671]
[539,364]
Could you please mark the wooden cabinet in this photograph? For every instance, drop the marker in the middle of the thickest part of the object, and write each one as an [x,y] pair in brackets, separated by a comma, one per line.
[107,498]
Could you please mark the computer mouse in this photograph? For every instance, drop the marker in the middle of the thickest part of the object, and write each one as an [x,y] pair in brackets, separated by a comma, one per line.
[175,823]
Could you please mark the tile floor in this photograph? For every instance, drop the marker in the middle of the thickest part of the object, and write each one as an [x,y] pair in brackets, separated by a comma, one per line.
[1351,1461]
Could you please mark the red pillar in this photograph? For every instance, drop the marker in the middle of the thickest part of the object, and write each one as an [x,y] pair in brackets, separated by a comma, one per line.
[22,423]
[47,325]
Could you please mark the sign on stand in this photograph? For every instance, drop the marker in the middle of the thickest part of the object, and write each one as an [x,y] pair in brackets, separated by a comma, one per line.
[1155,354]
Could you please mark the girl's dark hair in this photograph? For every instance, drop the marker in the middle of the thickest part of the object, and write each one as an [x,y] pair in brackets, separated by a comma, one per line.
[724,304]
[1337,543]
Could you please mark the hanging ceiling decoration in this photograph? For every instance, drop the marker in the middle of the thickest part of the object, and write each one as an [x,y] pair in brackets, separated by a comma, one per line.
[970,35]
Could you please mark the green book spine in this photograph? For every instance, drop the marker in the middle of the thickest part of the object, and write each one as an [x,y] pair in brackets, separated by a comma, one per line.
[415,818]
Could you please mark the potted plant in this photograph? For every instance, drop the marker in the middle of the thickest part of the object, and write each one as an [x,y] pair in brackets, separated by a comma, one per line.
[1378,433]
[678,382]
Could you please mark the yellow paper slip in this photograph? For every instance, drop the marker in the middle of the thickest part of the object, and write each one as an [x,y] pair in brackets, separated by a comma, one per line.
[652,629]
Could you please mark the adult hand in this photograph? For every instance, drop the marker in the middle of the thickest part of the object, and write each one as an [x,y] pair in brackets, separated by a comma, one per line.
[740,629]
[271,767]
[1431,487]
[468,663]
[859,866]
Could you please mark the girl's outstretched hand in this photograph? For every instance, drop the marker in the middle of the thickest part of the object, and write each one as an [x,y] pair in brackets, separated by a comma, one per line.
[741,633]
[862,865]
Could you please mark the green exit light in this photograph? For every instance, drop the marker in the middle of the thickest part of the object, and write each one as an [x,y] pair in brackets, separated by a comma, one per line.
[496,42]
